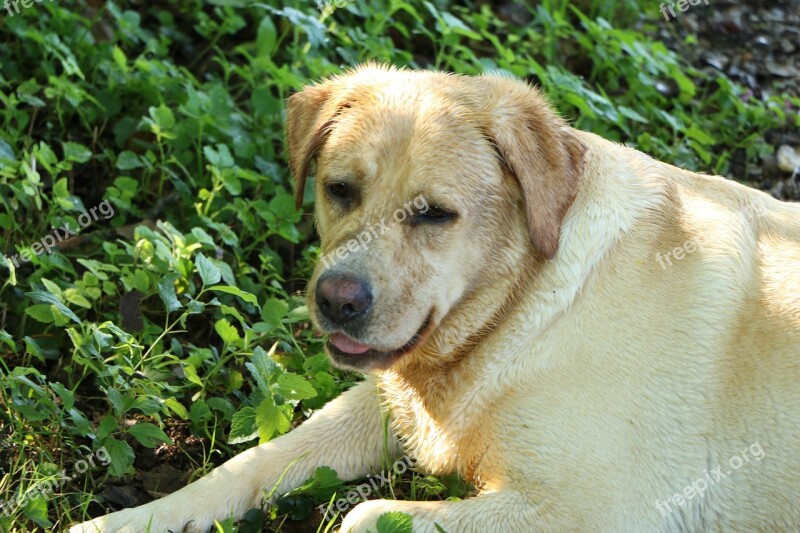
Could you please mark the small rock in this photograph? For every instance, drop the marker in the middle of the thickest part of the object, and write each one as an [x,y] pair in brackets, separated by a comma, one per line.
[787,46]
[788,158]
[666,89]
[762,41]
[718,61]
[784,70]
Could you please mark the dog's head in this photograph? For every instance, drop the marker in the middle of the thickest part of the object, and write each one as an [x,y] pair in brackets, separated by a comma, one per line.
[432,190]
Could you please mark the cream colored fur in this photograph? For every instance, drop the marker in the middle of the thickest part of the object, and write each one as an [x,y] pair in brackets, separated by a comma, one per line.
[576,392]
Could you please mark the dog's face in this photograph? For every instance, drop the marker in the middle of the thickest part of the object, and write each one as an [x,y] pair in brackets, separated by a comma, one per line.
[417,202]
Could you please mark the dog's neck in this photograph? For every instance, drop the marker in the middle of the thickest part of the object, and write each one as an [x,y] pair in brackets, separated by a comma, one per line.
[420,395]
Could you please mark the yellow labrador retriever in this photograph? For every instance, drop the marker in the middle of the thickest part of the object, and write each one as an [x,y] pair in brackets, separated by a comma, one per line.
[597,340]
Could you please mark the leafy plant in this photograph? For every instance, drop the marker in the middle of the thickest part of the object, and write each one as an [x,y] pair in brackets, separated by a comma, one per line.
[176,328]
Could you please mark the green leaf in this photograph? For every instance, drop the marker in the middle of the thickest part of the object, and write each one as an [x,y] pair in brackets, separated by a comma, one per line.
[41,312]
[50,298]
[228,333]
[195,307]
[686,86]
[76,152]
[74,297]
[140,281]
[166,290]
[30,414]
[232,311]
[394,522]
[243,426]
[128,160]
[6,152]
[457,25]
[52,287]
[322,486]
[119,57]
[128,186]
[7,339]
[232,183]
[162,115]
[283,206]
[66,395]
[117,401]
[190,372]
[631,114]
[236,291]
[274,310]
[271,420]
[45,154]
[61,189]
[149,435]
[262,368]
[699,135]
[81,422]
[209,273]
[326,477]
[149,405]
[199,411]
[121,455]
[704,154]
[221,157]
[266,37]
[310,24]
[294,387]
[106,426]
[580,103]
[36,510]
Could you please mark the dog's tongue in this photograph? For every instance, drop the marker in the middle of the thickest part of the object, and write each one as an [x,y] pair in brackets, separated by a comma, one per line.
[347,345]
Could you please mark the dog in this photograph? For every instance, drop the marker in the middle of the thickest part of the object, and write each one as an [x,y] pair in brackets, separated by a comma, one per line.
[598,341]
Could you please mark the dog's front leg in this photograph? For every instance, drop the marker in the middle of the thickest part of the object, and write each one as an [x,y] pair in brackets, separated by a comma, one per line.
[346,435]
[507,511]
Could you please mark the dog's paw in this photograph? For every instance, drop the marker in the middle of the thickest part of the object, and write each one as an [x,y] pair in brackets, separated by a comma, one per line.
[364,517]
[120,522]
[192,509]
[92,526]
[145,520]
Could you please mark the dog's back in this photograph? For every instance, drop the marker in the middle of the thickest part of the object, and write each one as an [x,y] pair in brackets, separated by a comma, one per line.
[684,365]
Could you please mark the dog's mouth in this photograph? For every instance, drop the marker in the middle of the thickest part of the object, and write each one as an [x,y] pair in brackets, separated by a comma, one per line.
[347,352]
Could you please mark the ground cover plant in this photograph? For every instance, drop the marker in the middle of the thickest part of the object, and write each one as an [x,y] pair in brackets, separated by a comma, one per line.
[152,319]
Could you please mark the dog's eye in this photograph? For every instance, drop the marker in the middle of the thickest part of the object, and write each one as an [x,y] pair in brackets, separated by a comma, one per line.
[435,214]
[339,190]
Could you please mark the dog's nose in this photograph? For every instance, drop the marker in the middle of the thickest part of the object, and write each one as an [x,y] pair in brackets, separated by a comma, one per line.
[343,298]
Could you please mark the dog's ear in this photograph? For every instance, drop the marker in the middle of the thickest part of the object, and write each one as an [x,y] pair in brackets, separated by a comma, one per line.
[539,149]
[307,124]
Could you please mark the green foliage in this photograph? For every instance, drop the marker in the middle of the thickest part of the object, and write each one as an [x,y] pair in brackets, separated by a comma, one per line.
[176,312]
[395,522]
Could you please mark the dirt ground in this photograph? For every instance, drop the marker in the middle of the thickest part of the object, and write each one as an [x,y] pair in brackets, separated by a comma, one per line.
[757,44]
